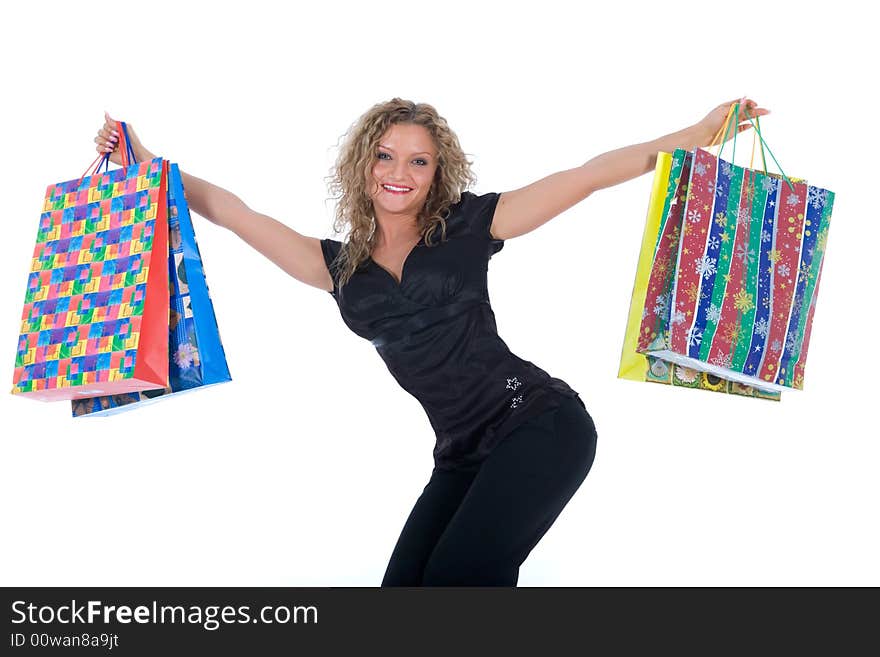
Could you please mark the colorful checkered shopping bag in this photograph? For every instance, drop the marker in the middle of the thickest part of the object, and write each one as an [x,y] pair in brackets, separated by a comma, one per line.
[734,270]
[196,358]
[95,315]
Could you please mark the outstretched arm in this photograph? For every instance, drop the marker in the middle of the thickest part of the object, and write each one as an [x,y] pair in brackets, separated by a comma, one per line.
[298,255]
[523,210]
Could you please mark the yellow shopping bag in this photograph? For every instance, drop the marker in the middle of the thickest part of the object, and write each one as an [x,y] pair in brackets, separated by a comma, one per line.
[633,365]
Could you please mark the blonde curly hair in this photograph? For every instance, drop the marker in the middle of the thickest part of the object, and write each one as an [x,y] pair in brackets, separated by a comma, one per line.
[348,178]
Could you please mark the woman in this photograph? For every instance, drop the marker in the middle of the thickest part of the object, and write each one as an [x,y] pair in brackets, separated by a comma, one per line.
[513,443]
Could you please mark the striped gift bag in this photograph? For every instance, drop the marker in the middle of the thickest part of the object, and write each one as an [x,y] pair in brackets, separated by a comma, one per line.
[735,262]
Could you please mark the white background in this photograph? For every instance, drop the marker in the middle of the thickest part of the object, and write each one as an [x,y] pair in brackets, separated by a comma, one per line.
[303,469]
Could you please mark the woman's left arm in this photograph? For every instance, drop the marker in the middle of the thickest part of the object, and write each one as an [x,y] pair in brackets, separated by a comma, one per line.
[522,210]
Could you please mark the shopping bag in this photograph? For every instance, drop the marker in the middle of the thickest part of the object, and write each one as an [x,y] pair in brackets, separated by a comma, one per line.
[740,303]
[195,351]
[96,307]
[633,365]
[648,317]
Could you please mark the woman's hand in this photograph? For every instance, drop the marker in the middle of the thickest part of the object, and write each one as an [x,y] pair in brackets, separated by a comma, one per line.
[108,138]
[714,120]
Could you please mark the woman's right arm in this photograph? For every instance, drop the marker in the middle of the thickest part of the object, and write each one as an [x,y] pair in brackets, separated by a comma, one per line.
[298,255]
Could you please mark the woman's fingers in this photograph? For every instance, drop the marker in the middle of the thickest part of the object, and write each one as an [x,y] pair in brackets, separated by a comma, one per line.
[105,143]
[107,140]
[749,108]
[109,123]
[108,137]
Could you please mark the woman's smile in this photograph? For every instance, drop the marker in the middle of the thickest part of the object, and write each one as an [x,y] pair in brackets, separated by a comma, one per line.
[396,189]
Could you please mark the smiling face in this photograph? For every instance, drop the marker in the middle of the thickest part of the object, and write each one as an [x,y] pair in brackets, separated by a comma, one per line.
[406,161]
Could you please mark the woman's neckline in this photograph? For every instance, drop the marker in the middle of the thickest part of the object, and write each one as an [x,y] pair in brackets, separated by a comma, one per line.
[399,284]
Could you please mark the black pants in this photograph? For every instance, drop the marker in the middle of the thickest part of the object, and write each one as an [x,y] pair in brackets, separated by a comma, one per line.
[475,527]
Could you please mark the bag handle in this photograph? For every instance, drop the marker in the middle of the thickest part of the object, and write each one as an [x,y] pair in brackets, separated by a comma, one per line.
[732,113]
[725,127]
[127,152]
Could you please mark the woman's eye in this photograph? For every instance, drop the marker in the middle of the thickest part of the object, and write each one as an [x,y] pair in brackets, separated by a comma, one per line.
[380,155]
[421,162]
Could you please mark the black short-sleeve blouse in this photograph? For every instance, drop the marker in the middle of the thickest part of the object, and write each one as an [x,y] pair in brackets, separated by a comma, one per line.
[436,333]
